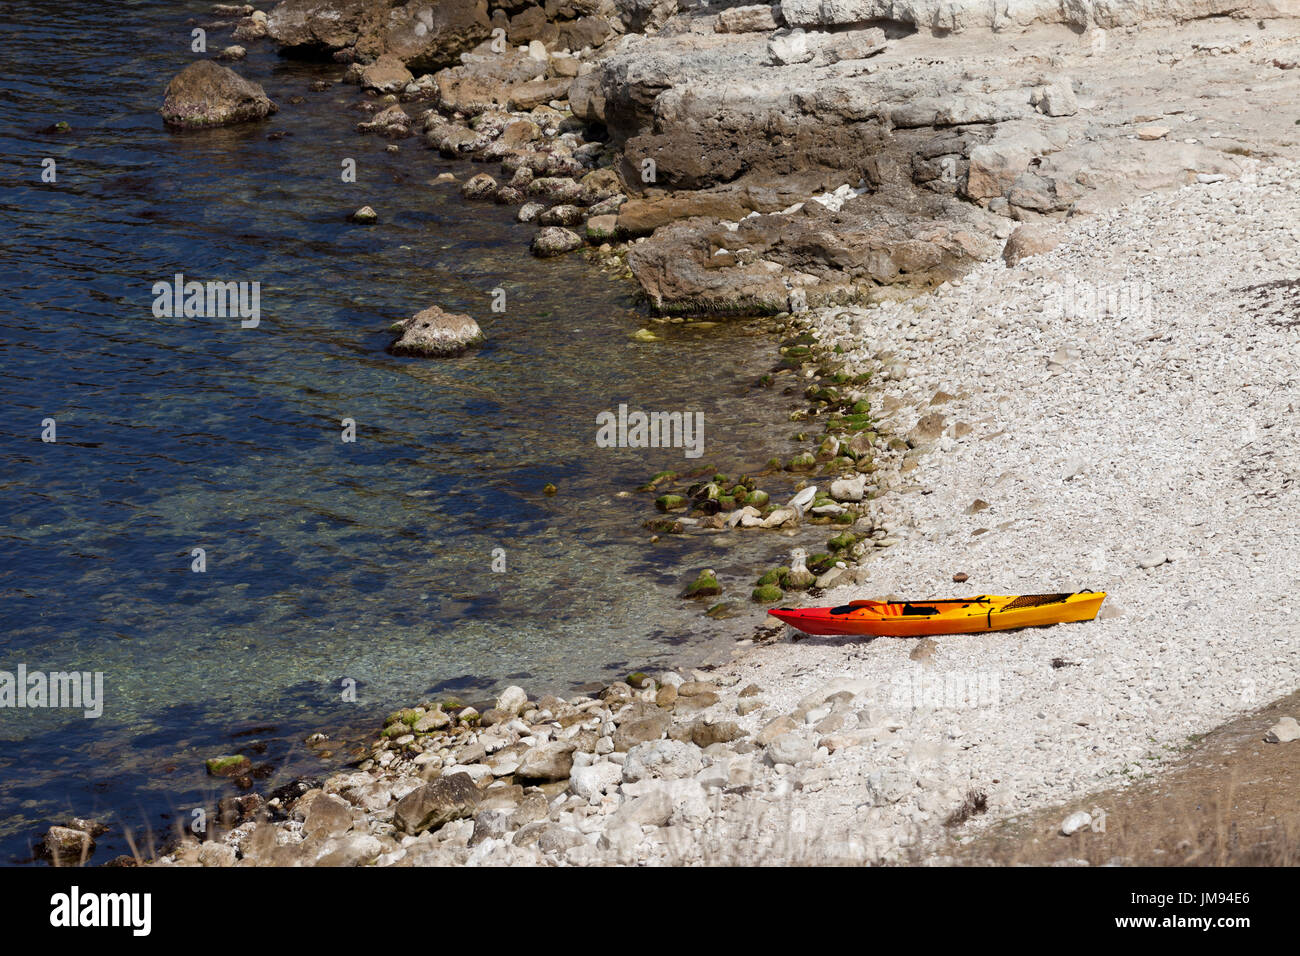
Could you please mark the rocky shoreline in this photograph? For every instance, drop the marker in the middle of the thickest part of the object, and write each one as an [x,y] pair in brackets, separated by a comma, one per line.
[832,750]
[764,159]
[834,161]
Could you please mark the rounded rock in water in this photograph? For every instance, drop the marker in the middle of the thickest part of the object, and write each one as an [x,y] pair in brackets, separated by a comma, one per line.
[435,332]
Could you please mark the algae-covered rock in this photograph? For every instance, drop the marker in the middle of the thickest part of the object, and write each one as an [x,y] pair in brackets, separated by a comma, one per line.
[821,562]
[766,594]
[705,585]
[231,765]
[657,480]
[670,502]
[842,541]
[407,715]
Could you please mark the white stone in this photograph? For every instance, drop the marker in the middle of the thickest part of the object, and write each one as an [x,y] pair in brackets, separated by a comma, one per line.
[1076,822]
[1284,731]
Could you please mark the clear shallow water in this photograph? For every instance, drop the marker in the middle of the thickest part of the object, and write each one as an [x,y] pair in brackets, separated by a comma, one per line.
[370,561]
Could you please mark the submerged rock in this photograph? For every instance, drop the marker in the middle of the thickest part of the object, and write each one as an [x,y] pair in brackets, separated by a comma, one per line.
[555,241]
[705,585]
[480,186]
[67,846]
[229,766]
[435,332]
[205,95]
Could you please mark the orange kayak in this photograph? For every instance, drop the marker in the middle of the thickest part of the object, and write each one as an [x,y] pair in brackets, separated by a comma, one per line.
[988,612]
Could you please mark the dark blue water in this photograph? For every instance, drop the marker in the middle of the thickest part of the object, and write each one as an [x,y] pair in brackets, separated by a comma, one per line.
[326,561]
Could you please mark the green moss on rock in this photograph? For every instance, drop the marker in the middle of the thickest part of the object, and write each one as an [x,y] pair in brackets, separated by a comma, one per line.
[230,765]
[705,585]
[842,541]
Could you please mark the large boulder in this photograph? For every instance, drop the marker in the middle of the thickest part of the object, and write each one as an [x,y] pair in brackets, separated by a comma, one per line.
[425,36]
[206,94]
[826,255]
[428,36]
[584,32]
[485,80]
[995,166]
[323,26]
[448,798]
[638,16]
[551,760]
[759,18]
[435,332]
[662,760]
[1031,239]
[527,96]
[386,75]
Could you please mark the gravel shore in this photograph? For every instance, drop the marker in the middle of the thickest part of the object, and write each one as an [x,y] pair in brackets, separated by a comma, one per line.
[1131,399]
[1117,414]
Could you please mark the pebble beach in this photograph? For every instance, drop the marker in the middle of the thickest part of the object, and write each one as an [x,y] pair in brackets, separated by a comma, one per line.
[1028,278]
[1139,443]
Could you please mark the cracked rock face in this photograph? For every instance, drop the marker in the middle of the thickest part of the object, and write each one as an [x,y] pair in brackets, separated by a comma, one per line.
[424,35]
[942,16]
[778,157]
[944,140]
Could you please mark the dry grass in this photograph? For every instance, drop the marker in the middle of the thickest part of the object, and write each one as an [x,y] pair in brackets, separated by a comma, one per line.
[1231,800]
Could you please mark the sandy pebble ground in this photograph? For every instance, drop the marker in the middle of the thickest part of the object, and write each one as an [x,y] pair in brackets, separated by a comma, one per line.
[1131,401]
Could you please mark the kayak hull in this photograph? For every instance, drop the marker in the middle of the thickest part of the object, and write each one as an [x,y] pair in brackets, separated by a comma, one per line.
[948,616]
